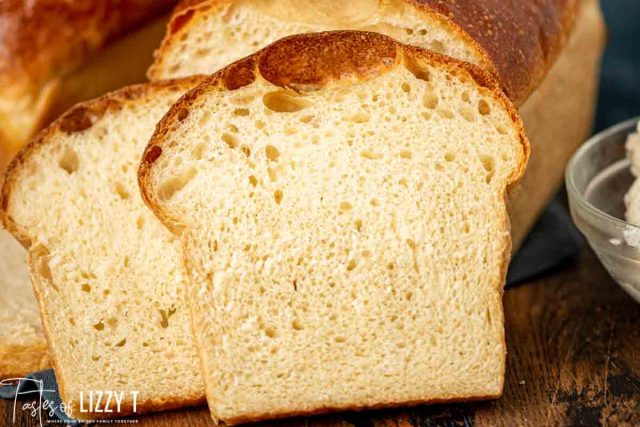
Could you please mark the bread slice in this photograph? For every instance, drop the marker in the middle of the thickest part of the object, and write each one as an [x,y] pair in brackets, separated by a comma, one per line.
[108,276]
[23,348]
[517,41]
[341,199]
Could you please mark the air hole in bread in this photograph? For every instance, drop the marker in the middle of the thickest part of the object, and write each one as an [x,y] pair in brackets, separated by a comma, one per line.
[422,32]
[403,182]
[121,191]
[69,161]
[409,31]
[467,114]
[449,157]
[140,223]
[345,206]
[340,339]
[86,287]
[406,154]
[245,150]
[419,71]
[489,165]
[357,118]
[352,265]
[271,152]
[183,113]
[306,119]
[253,180]
[406,87]
[358,224]
[241,112]
[368,154]
[99,326]
[270,332]
[121,343]
[445,114]
[231,140]
[284,102]
[437,46]
[430,100]
[484,108]
[277,196]
[198,151]
[502,131]
[165,315]
[297,325]
[171,186]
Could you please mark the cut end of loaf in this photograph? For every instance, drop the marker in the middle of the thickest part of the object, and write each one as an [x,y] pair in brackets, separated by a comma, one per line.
[346,242]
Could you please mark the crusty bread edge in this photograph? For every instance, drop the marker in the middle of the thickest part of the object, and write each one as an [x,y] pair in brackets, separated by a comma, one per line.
[96,107]
[235,76]
[182,19]
[188,12]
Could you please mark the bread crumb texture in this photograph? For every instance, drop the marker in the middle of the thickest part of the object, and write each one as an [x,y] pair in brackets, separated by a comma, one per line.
[347,244]
[108,275]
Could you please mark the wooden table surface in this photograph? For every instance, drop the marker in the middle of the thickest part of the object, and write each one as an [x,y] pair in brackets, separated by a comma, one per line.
[573,340]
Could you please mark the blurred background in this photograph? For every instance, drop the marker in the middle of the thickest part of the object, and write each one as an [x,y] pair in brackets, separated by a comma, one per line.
[620,86]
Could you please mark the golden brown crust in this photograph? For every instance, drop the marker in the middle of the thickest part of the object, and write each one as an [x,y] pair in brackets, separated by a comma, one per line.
[523,38]
[519,40]
[41,39]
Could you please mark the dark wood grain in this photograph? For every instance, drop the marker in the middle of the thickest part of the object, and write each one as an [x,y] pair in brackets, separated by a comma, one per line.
[574,359]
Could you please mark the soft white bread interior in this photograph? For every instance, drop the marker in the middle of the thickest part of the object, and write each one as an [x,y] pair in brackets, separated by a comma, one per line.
[108,276]
[23,348]
[341,199]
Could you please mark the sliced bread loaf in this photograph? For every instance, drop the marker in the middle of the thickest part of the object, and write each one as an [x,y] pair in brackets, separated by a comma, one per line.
[108,276]
[341,199]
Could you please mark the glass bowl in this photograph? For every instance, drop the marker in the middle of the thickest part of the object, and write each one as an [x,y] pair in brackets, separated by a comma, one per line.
[597,178]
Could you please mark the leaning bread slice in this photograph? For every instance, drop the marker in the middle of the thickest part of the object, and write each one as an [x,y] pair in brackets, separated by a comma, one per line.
[341,199]
[108,276]
[517,41]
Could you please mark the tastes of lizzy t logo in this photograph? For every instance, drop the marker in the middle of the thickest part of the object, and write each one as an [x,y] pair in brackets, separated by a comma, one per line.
[90,402]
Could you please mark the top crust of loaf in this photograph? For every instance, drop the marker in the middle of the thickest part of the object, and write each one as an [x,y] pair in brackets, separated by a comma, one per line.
[77,119]
[44,40]
[309,62]
[41,39]
[519,42]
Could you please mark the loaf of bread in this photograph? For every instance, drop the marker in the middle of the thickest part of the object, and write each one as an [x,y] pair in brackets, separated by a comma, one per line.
[341,201]
[107,275]
[517,40]
[632,198]
[23,348]
[55,53]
